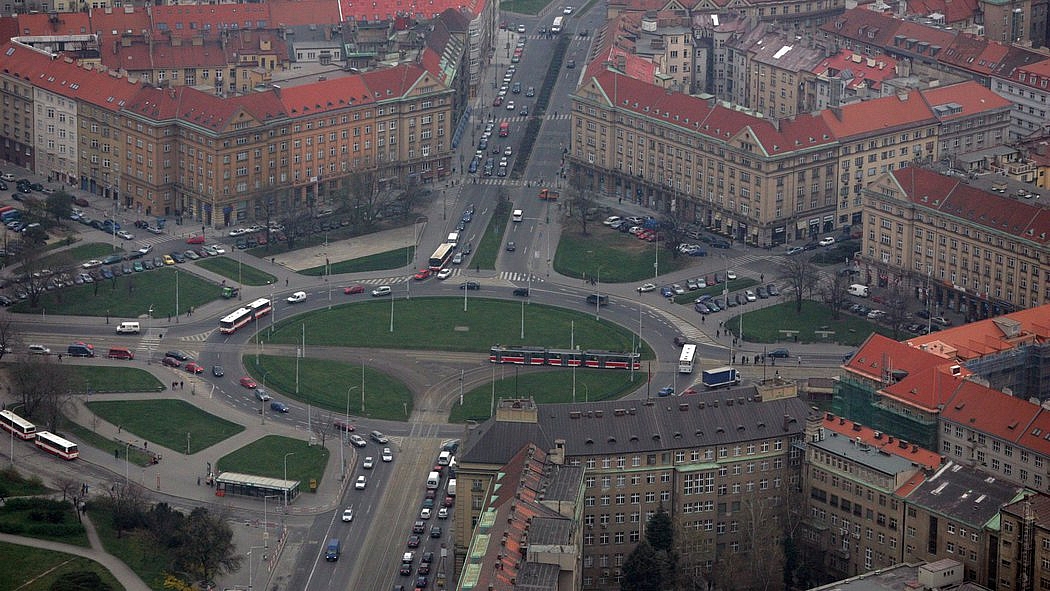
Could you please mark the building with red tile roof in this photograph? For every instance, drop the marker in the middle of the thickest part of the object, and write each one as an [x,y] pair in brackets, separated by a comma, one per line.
[884,442]
[957,13]
[529,531]
[850,77]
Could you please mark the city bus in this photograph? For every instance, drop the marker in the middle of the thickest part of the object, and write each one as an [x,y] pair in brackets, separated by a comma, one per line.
[685,361]
[242,316]
[51,443]
[556,26]
[20,427]
[442,256]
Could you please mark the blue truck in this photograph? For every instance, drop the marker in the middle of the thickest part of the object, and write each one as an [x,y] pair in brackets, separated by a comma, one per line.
[720,376]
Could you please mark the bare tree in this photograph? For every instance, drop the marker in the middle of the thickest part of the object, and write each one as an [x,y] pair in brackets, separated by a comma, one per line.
[324,428]
[897,315]
[581,206]
[801,276]
[295,223]
[127,505]
[32,275]
[10,338]
[45,388]
[361,198]
[68,485]
[834,292]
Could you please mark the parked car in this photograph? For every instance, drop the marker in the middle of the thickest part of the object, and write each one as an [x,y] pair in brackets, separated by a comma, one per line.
[279,407]
[780,353]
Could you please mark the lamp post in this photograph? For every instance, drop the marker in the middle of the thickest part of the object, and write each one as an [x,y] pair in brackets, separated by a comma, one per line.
[250,563]
[586,392]
[127,446]
[266,524]
[13,435]
[176,296]
[346,425]
[149,346]
[291,453]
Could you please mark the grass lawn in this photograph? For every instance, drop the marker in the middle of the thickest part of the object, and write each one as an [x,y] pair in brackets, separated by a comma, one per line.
[323,384]
[235,271]
[391,259]
[545,387]
[104,379]
[613,257]
[764,325]
[135,549]
[488,248]
[128,296]
[46,519]
[84,436]
[265,457]
[73,257]
[14,484]
[714,290]
[166,422]
[524,6]
[448,328]
[33,569]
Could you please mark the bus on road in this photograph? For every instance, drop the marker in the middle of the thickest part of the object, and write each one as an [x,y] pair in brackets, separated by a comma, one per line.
[556,27]
[242,316]
[18,426]
[442,256]
[51,443]
[685,361]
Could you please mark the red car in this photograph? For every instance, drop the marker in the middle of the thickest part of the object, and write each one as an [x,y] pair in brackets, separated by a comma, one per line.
[448,502]
[171,362]
[352,289]
[247,382]
[343,426]
[194,368]
[497,101]
[195,239]
[421,274]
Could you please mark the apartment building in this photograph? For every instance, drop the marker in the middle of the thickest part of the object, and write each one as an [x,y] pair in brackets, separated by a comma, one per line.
[848,77]
[724,466]
[773,73]
[1024,544]
[1016,21]
[953,513]
[854,479]
[984,252]
[1026,87]
[783,11]
[19,127]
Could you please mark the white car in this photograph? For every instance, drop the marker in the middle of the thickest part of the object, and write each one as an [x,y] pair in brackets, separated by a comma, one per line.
[646,288]
[425,513]
[827,241]
[295,298]
[521,28]
[370,462]
[237,232]
[443,513]
[218,248]
[146,249]
[7,176]
[678,289]
[444,273]
[750,295]
[361,483]
[348,514]
[567,10]
[125,235]
[388,456]
[730,275]
[39,350]
[613,219]
[382,290]
[92,264]
[357,440]
[510,105]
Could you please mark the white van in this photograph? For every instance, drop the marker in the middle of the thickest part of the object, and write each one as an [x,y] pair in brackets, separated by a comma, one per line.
[859,290]
[453,239]
[128,328]
[517,215]
[433,480]
[444,457]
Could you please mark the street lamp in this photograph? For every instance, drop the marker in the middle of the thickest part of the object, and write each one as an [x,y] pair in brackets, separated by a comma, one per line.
[13,435]
[250,563]
[291,453]
[266,529]
[176,296]
[346,425]
[149,346]
[127,446]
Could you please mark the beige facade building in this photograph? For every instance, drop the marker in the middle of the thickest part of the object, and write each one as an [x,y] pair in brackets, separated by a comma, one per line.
[987,252]
[764,181]
[1024,545]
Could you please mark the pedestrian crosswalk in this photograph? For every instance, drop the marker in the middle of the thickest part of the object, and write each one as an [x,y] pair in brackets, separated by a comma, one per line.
[457,272]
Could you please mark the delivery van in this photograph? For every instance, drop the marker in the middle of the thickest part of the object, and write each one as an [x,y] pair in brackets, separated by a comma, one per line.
[128,328]
[120,353]
[453,239]
[859,290]
[433,480]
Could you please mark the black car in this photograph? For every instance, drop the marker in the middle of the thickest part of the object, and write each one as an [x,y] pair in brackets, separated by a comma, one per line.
[780,353]
[601,300]
[471,285]
[435,532]
[522,292]
[217,371]
[180,355]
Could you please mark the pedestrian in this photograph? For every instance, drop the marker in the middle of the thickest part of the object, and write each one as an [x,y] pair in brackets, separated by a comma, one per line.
[800,360]
[718,334]
[116,454]
[734,357]
[145,445]
[761,277]
[198,481]
[703,320]
[286,282]
[182,385]
[120,428]
[60,358]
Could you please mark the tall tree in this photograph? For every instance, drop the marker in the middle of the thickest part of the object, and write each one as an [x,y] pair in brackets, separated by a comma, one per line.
[10,338]
[834,292]
[44,387]
[206,549]
[642,570]
[801,277]
[59,205]
[659,532]
[581,206]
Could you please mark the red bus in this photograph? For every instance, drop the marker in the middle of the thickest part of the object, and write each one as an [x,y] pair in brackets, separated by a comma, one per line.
[242,316]
[504,129]
[51,443]
[442,256]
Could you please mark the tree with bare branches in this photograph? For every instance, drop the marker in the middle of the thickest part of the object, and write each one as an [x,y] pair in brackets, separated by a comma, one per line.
[44,388]
[580,205]
[801,277]
[834,292]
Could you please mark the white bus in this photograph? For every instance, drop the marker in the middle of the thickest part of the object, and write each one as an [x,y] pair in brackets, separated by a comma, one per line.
[685,362]
[63,448]
[517,215]
[556,27]
[18,426]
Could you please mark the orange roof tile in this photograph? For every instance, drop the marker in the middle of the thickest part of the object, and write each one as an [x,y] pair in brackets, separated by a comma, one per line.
[913,483]
[390,9]
[904,111]
[975,339]
[972,96]
[395,82]
[332,94]
[990,411]
[869,70]
[880,355]
[65,78]
[954,11]
[928,389]
[886,443]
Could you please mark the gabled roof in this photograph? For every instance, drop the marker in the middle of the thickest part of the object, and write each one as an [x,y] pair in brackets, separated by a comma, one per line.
[710,118]
[863,25]
[205,110]
[63,23]
[952,197]
[970,96]
[882,441]
[878,116]
[65,78]
[318,97]
[866,70]
[954,11]
[880,356]
[1038,504]
[993,335]
[392,83]
[928,389]
[139,57]
[990,411]
[975,54]
[381,10]
[195,19]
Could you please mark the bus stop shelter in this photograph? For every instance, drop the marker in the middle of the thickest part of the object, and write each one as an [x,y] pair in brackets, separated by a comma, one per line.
[248,485]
